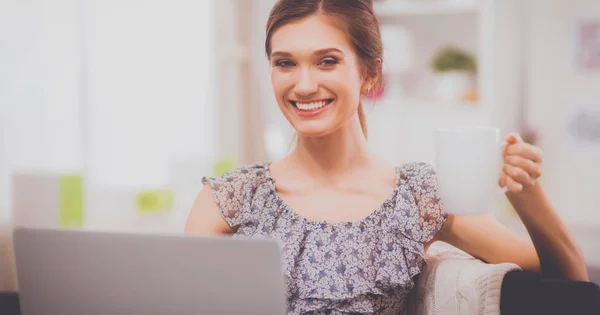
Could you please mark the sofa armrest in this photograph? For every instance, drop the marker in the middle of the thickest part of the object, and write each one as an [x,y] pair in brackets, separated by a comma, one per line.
[454,282]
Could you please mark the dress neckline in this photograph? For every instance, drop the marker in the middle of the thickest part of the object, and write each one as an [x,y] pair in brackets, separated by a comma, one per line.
[324,224]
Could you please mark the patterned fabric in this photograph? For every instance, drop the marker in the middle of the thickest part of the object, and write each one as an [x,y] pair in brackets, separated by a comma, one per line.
[359,267]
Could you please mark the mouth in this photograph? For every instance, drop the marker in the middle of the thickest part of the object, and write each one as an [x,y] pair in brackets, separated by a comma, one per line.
[311,105]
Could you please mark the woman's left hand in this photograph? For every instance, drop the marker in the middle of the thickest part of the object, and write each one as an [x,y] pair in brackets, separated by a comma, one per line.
[522,164]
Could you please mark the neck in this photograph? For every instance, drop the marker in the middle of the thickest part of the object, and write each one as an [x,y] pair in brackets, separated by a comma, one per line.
[334,154]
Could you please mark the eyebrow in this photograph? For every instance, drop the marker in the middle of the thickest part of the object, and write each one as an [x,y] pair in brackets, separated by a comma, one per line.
[318,52]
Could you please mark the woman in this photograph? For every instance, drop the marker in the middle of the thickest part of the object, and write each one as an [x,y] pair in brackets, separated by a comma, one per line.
[353,229]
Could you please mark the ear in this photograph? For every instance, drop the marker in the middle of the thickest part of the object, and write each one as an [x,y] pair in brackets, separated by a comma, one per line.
[371,78]
[366,87]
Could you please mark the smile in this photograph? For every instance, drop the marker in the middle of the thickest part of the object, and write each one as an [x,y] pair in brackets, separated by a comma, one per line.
[311,106]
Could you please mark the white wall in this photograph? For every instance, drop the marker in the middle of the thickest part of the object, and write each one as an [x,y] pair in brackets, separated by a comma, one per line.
[151,88]
[118,90]
[572,172]
[41,84]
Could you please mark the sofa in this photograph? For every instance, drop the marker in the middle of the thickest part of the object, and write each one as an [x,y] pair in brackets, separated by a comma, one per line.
[454,282]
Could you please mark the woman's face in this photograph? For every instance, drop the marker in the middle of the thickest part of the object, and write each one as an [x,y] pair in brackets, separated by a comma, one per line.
[315,75]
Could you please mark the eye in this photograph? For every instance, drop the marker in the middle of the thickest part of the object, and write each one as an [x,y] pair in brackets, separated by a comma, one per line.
[284,64]
[328,62]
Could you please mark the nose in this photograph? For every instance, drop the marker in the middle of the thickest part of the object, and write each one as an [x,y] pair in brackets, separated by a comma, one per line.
[306,85]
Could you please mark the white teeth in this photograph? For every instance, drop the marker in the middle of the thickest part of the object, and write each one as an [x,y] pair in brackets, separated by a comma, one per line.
[311,106]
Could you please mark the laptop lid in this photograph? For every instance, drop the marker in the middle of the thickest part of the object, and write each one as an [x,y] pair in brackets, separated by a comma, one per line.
[95,273]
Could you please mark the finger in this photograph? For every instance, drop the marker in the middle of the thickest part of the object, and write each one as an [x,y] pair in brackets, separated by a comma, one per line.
[510,139]
[513,137]
[502,180]
[517,174]
[525,150]
[533,169]
[513,186]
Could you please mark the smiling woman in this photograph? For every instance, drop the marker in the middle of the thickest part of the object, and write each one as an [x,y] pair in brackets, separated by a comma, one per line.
[353,229]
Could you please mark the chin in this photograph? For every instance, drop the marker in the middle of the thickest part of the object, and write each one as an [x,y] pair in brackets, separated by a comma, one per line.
[314,129]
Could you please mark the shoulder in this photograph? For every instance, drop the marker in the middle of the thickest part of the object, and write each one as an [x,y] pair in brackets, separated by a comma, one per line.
[248,174]
[421,177]
[416,171]
[232,192]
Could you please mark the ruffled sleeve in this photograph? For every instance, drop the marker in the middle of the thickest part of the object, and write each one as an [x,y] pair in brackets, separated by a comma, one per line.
[232,192]
[423,182]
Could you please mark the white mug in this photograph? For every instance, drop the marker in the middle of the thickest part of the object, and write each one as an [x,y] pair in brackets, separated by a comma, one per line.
[468,163]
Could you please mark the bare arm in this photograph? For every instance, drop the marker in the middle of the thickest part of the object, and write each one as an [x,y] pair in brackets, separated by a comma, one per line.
[556,248]
[483,237]
[205,217]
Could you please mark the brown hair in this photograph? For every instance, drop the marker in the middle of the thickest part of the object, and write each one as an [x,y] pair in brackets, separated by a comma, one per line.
[360,23]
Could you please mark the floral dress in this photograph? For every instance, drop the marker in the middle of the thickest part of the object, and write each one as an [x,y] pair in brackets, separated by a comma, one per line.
[360,267]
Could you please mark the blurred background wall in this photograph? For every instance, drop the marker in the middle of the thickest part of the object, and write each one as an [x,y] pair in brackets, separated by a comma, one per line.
[563,102]
[112,111]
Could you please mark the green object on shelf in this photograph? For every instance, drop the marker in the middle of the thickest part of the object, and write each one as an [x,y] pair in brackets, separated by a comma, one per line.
[223,166]
[154,201]
[71,201]
[452,58]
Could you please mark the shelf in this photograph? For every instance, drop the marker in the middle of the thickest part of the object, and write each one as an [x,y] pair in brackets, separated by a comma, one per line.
[396,8]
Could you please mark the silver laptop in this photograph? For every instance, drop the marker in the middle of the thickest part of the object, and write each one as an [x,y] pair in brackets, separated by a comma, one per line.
[95,273]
